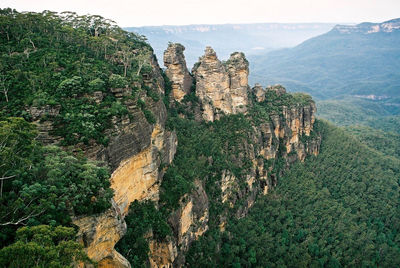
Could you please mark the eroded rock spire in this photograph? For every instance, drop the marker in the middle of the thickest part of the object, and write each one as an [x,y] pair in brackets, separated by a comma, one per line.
[177,71]
[221,88]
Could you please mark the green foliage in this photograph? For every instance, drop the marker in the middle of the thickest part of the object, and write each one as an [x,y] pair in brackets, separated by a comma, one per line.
[117,81]
[147,113]
[387,123]
[386,142]
[45,185]
[43,246]
[355,111]
[274,103]
[70,87]
[149,116]
[50,59]
[152,94]
[204,150]
[376,123]
[97,85]
[146,69]
[167,88]
[82,120]
[141,219]
[338,209]
[17,145]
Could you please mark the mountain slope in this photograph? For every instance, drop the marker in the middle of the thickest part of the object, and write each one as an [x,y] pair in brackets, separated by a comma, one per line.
[349,60]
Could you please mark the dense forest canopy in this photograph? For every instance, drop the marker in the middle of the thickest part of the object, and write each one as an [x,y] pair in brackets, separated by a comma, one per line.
[60,60]
[56,63]
[338,209]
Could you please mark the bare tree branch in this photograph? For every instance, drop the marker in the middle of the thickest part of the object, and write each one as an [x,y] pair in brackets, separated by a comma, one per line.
[21,220]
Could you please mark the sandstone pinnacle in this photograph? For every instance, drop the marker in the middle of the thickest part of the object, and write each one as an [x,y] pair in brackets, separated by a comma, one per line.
[177,71]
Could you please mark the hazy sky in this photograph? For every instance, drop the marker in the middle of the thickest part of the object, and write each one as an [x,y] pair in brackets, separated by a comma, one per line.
[177,12]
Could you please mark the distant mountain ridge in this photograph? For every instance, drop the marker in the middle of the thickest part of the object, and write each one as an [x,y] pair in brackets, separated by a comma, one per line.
[252,39]
[368,27]
[360,60]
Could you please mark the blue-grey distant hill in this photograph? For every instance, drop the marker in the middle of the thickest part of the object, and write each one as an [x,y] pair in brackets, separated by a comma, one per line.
[360,60]
[252,39]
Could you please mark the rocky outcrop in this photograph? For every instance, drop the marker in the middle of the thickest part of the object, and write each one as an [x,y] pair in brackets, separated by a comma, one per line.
[286,136]
[136,177]
[369,28]
[188,223]
[99,234]
[238,70]
[177,71]
[259,92]
[278,89]
[162,254]
[222,89]
[42,118]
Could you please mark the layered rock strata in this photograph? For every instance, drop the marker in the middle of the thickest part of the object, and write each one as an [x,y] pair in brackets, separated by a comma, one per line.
[177,71]
[188,223]
[221,88]
[259,92]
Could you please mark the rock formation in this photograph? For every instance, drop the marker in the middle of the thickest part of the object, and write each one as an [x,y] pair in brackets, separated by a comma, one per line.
[259,92]
[177,71]
[238,70]
[222,89]
[138,151]
[188,223]
[278,89]
[281,137]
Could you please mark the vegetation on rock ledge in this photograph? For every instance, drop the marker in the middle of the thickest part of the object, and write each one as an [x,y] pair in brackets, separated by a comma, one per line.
[338,209]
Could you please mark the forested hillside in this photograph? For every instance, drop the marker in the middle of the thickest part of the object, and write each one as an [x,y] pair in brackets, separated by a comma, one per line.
[376,123]
[349,60]
[55,70]
[338,209]
[60,61]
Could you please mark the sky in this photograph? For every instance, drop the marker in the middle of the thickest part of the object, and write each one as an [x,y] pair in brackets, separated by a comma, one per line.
[182,12]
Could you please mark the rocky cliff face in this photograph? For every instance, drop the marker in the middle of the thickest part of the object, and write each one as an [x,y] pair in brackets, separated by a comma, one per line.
[137,177]
[188,223]
[287,137]
[177,71]
[221,88]
[135,153]
[138,150]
